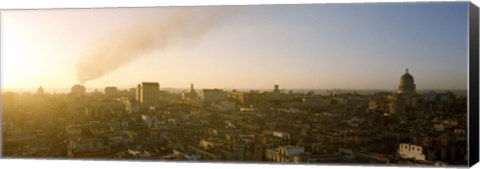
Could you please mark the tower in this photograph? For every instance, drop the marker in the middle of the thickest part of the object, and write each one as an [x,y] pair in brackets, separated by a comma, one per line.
[193,93]
[276,89]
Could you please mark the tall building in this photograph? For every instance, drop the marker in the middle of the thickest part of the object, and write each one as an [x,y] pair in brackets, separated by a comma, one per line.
[190,95]
[193,94]
[138,94]
[148,93]
[276,93]
[111,91]
[407,85]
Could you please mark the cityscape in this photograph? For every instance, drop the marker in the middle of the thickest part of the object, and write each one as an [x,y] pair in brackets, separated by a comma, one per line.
[147,123]
[369,84]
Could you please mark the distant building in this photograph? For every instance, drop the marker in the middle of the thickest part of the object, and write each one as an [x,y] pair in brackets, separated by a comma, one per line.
[152,121]
[407,96]
[253,98]
[316,102]
[432,96]
[237,96]
[352,102]
[78,90]
[101,108]
[381,104]
[40,91]
[132,92]
[286,154]
[8,102]
[282,135]
[276,93]
[131,106]
[190,95]
[87,147]
[148,93]
[407,85]
[111,91]
[214,95]
[397,104]
[276,89]
[193,93]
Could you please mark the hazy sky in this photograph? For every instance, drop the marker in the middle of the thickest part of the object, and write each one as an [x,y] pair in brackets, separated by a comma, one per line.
[355,46]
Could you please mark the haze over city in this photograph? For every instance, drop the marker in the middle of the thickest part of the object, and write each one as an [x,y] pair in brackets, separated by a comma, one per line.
[357,46]
[371,84]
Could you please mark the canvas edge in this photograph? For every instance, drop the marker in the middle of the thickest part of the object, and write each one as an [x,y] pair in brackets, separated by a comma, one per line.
[473,118]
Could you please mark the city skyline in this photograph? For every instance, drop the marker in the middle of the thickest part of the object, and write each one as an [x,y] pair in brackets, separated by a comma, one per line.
[324,46]
[384,84]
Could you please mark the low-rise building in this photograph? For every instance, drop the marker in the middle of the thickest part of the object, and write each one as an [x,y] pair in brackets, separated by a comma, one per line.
[214,95]
[287,154]
[85,147]
[411,151]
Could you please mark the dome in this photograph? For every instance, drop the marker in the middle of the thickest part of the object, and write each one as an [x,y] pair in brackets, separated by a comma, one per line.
[78,89]
[406,78]
[407,85]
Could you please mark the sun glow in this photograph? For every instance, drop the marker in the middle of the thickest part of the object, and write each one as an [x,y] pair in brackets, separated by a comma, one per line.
[18,63]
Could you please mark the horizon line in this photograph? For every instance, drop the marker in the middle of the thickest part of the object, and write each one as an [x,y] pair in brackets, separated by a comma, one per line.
[33,89]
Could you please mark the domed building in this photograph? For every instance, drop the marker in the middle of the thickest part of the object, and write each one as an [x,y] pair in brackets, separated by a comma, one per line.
[40,91]
[407,85]
[406,98]
[78,90]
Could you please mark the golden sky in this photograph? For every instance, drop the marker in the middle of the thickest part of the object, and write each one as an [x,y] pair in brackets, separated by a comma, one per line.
[297,46]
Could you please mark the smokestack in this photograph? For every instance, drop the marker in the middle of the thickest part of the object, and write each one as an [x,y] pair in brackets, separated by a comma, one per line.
[124,46]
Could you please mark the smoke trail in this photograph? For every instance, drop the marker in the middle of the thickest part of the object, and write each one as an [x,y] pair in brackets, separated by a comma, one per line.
[124,46]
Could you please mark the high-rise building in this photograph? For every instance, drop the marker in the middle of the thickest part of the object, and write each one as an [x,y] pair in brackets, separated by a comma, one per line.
[111,91]
[192,94]
[148,93]
[407,85]
[138,94]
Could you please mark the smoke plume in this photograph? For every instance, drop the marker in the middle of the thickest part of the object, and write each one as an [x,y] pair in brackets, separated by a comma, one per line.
[125,45]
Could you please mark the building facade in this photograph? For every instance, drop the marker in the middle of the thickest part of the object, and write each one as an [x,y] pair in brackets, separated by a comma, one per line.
[148,94]
[78,90]
[214,95]
[111,91]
